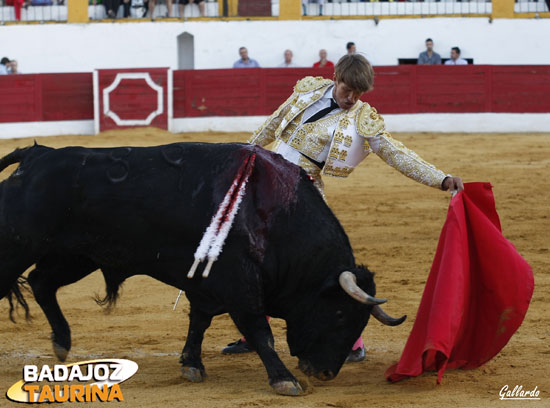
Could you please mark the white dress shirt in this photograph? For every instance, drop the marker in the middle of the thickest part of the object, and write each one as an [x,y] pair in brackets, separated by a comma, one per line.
[294,155]
[321,104]
[459,61]
[285,65]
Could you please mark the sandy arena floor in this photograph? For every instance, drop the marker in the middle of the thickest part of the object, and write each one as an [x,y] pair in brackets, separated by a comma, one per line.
[394,225]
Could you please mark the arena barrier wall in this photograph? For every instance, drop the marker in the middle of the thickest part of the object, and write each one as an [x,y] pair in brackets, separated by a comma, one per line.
[398,89]
[427,98]
[132,98]
[46,97]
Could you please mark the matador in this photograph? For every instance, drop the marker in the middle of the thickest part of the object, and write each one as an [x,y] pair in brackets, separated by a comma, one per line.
[326,129]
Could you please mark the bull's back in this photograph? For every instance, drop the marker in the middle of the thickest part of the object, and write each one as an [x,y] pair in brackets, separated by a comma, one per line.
[161,186]
[37,193]
[78,189]
[139,199]
[145,209]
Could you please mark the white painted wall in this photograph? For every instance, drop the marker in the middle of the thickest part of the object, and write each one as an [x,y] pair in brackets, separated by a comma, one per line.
[420,122]
[84,47]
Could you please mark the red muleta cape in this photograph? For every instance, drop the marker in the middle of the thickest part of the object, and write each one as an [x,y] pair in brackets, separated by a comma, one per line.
[476,296]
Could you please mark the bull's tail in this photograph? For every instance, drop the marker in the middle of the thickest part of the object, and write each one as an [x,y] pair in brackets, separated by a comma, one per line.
[15,295]
[16,298]
[112,286]
[214,237]
[14,157]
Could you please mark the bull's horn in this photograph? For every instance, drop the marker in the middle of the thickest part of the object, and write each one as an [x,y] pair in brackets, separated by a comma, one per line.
[385,318]
[348,282]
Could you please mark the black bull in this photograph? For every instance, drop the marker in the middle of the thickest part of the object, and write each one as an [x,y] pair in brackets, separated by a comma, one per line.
[143,210]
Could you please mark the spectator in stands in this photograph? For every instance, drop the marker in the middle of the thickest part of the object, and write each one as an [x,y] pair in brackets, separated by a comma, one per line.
[111,7]
[323,61]
[13,69]
[245,61]
[17,5]
[319,2]
[183,3]
[287,63]
[429,57]
[126,8]
[95,13]
[138,8]
[455,58]
[152,4]
[4,65]
[351,48]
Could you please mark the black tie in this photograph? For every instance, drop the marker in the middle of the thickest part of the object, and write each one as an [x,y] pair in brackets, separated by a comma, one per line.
[323,112]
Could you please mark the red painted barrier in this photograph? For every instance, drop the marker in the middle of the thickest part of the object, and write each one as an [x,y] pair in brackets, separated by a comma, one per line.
[43,97]
[245,92]
[132,98]
[398,89]
[234,92]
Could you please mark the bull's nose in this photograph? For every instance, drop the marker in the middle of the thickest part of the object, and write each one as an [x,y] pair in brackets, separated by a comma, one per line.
[305,367]
[325,375]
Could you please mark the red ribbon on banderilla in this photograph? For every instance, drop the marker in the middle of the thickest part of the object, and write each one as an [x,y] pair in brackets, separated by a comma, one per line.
[215,235]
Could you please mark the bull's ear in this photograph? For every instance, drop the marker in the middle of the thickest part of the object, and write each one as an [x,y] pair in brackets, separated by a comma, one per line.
[331,286]
[365,277]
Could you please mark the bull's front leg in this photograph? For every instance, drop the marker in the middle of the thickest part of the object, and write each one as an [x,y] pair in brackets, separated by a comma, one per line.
[192,368]
[258,333]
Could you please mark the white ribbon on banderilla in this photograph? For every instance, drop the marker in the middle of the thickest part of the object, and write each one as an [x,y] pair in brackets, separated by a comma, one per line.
[215,235]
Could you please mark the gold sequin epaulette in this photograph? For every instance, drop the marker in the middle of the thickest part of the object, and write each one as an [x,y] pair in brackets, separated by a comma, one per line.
[369,122]
[310,84]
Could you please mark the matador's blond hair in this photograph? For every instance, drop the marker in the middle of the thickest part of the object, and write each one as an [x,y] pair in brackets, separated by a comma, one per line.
[355,71]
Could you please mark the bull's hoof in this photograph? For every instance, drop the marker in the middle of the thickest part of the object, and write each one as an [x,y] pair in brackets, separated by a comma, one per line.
[290,388]
[60,352]
[193,374]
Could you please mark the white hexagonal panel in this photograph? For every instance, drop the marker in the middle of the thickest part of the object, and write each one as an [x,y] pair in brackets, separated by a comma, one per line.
[133,122]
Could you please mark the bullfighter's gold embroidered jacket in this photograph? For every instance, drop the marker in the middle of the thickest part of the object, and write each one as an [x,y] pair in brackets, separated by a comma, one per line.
[350,134]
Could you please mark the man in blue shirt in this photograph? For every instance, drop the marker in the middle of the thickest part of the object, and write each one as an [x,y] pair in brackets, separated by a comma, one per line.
[429,57]
[245,62]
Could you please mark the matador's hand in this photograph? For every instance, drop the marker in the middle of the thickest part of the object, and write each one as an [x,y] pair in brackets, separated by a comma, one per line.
[453,184]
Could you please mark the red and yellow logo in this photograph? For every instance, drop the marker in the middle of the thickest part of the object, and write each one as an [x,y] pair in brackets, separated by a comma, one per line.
[85,381]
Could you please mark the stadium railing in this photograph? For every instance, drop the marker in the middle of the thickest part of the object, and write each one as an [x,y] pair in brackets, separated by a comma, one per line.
[213,8]
[34,10]
[97,11]
[42,11]
[370,8]
[531,6]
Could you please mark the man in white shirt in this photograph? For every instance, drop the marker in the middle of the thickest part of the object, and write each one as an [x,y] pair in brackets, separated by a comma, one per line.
[288,60]
[455,58]
[4,66]
[350,46]
[13,69]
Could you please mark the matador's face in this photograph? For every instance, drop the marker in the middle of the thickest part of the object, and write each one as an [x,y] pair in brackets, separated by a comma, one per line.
[345,96]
